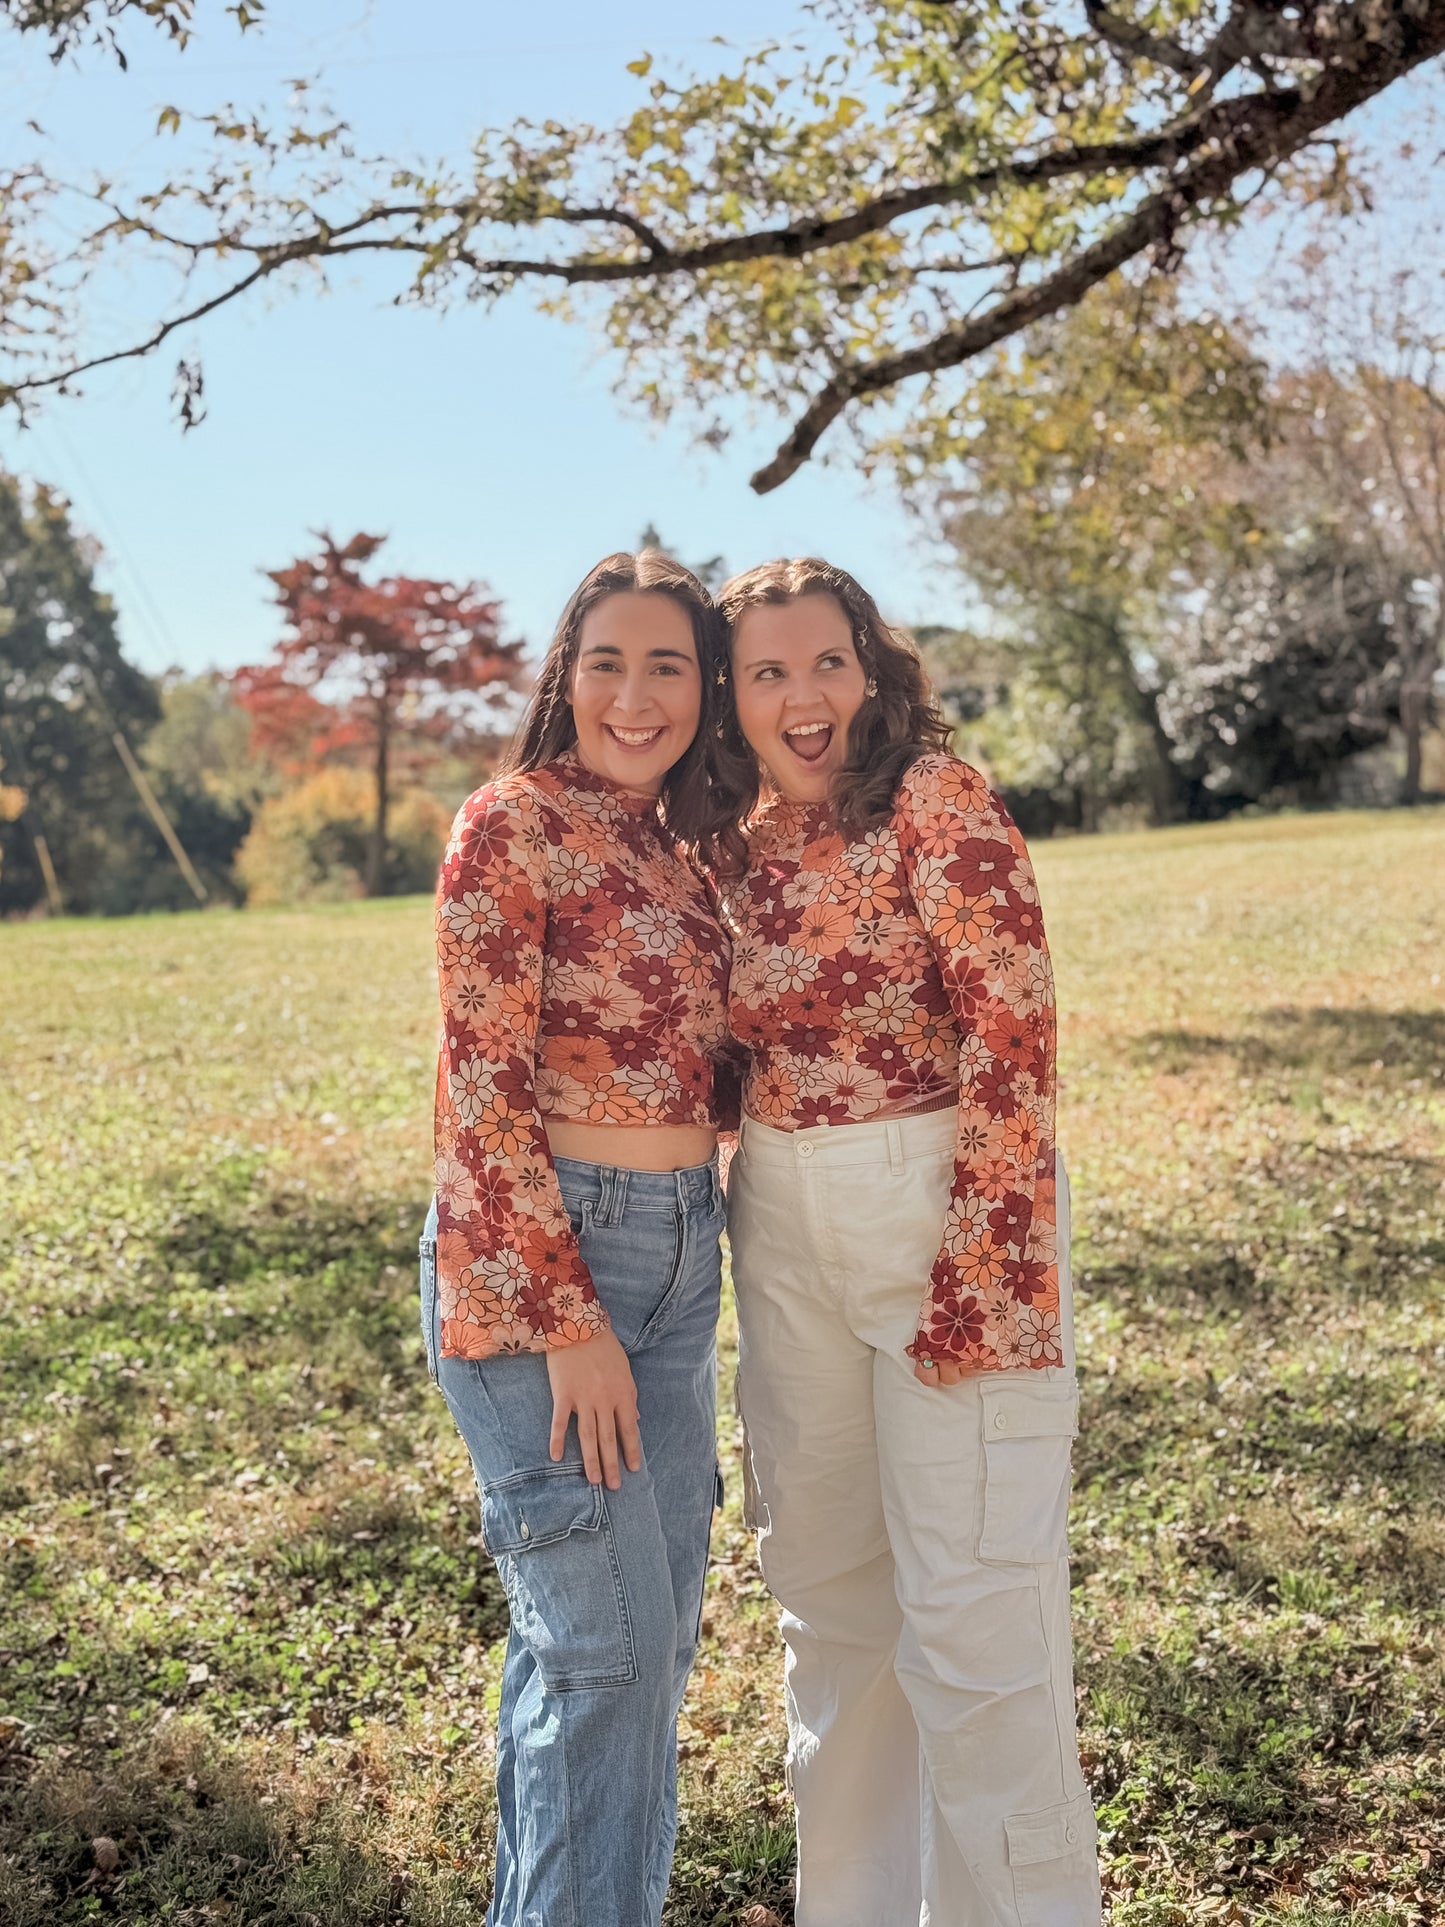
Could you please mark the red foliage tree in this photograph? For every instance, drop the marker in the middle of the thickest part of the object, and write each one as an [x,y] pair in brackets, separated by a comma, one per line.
[364,663]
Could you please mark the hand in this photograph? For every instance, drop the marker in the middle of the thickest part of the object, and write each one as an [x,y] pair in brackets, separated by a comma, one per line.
[595,1381]
[943,1371]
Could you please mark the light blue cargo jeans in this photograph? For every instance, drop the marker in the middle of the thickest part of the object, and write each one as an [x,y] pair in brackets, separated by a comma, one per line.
[605,1588]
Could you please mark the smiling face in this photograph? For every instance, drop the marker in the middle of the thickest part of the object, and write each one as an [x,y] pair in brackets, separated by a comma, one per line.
[798,684]
[635,689]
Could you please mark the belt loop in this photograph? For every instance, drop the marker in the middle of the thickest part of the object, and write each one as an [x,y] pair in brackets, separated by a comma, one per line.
[895,1146]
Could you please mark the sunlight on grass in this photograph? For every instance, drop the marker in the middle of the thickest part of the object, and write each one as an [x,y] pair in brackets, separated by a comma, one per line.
[247,1633]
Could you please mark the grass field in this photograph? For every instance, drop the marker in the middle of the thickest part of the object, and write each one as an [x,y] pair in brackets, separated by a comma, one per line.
[247,1639]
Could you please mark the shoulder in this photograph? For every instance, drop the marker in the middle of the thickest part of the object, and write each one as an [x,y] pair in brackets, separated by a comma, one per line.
[943,788]
[507,819]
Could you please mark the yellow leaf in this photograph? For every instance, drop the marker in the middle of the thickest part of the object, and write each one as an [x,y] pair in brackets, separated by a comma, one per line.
[643,66]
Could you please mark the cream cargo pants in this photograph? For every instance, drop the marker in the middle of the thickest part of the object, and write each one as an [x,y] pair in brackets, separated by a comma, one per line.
[914,1537]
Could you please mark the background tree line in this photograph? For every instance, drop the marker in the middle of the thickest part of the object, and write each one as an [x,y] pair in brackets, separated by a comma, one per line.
[1199,576]
[328,770]
[1211,583]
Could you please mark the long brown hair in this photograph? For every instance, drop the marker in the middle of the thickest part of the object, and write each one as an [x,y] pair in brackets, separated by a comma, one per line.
[548,728]
[896,725]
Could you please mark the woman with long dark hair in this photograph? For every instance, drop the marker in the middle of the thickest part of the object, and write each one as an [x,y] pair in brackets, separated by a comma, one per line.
[570,1267]
[899,1236]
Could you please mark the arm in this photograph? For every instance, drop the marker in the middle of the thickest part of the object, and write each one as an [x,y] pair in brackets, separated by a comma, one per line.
[509,1272]
[993,1295]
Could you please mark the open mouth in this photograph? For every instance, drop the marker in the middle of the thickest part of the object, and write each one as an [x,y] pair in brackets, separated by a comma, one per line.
[634,738]
[809,741]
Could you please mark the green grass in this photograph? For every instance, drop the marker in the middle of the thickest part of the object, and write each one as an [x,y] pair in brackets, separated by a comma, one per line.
[246,1632]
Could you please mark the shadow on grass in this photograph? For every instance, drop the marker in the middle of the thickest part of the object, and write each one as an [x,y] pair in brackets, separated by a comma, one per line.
[190,1832]
[1309,1224]
[1313,1458]
[1404,1045]
[222,1241]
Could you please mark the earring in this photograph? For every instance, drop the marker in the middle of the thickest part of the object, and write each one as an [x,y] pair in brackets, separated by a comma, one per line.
[722,679]
[870,688]
[721,731]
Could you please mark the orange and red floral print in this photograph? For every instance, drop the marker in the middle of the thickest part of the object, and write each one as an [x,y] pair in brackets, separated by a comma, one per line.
[891,975]
[583,976]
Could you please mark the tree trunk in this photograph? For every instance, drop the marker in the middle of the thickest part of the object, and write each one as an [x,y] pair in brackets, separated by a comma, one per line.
[1415,692]
[376,851]
[1412,721]
[1167,794]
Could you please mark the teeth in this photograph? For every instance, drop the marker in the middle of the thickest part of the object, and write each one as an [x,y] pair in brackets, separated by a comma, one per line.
[635,738]
[808,729]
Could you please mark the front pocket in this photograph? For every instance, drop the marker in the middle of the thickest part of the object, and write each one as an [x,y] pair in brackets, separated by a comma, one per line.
[1028,1433]
[427,1282]
[552,1540]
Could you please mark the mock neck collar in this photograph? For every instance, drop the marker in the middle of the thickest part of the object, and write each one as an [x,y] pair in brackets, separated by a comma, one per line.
[790,818]
[570,770]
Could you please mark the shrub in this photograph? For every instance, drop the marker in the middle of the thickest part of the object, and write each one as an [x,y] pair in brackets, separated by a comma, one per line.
[309,845]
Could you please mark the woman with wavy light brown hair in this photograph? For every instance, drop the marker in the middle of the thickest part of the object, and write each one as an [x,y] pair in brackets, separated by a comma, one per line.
[899,1241]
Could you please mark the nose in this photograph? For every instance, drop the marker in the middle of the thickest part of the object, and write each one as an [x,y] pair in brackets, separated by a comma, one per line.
[633,696]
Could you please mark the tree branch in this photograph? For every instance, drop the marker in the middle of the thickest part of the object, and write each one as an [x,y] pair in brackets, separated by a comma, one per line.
[1283,124]
[1139,44]
[799,239]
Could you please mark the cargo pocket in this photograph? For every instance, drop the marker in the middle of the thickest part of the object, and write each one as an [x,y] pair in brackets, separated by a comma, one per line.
[1028,1432]
[427,1278]
[1054,1859]
[552,1540]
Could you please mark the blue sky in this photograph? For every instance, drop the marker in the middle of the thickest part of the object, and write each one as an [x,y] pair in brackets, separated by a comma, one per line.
[485,444]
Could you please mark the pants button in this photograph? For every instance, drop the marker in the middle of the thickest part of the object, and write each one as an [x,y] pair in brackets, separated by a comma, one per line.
[805,1150]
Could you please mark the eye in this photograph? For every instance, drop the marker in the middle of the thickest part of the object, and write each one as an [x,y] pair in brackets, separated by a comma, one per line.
[835,661]
[770,672]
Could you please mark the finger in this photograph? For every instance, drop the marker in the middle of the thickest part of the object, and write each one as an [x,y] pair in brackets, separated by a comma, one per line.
[607,1448]
[587,1439]
[630,1433]
[561,1417]
[950,1374]
[925,1374]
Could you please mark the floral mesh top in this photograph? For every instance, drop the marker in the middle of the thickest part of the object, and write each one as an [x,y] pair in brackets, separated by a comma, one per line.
[583,976]
[875,978]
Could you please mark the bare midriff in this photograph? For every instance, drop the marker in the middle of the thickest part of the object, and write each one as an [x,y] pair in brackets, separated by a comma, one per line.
[632,1147]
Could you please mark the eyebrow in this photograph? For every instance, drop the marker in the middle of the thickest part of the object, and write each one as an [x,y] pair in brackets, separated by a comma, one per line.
[776,662]
[611,649]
